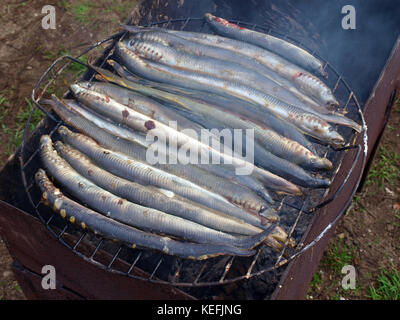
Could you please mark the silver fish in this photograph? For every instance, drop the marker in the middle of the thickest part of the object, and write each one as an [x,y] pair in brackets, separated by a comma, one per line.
[136,151]
[281,71]
[140,172]
[120,113]
[309,123]
[153,197]
[109,228]
[133,214]
[284,48]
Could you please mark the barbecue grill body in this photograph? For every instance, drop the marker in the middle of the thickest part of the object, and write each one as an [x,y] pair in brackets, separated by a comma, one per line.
[32,246]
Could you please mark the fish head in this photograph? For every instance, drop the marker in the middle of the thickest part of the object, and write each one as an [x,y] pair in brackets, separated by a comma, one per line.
[270,214]
[335,138]
[208,16]
[332,103]
[40,175]
[321,163]
[84,84]
[62,130]
[76,89]
[45,140]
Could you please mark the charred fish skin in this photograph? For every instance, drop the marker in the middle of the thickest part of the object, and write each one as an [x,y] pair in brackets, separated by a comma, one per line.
[143,124]
[265,62]
[161,53]
[229,71]
[127,147]
[132,214]
[129,169]
[152,197]
[241,196]
[248,112]
[286,49]
[141,104]
[133,237]
[308,122]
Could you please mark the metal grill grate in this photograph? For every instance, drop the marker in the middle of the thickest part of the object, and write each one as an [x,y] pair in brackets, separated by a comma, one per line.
[158,267]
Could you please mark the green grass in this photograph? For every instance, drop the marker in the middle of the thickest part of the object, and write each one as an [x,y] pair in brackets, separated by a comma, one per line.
[338,255]
[81,11]
[4,104]
[335,258]
[15,135]
[76,68]
[387,286]
[385,169]
[315,281]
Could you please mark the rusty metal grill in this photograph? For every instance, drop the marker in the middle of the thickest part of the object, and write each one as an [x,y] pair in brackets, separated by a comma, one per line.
[296,213]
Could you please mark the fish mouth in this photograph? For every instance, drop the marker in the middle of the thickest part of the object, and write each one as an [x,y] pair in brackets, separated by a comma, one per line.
[45,139]
[270,214]
[332,103]
[322,164]
[84,84]
[323,72]
[76,89]
[338,142]
[208,16]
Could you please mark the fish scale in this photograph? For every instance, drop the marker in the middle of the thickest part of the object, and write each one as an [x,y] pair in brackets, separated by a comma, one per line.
[316,127]
[123,166]
[141,122]
[133,214]
[276,45]
[133,237]
[152,197]
[235,193]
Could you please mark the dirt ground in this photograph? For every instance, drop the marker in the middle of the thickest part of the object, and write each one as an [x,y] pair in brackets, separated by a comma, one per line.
[370,230]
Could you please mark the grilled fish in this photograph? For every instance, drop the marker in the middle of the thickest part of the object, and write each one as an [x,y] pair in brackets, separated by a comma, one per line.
[133,237]
[132,214]
[309,123]
[244,110]
[153,197]
[142,123]
[136,171]
[124,146]
[308,88]
[285,49]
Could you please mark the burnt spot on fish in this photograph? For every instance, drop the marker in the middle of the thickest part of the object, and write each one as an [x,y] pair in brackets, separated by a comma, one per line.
[226,23]
[125,114]
[120,202]
[298,75]
[149,125]
[90,172]
[104,198]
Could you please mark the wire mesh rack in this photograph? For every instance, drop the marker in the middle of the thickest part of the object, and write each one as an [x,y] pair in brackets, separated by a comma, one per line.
[158,267]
